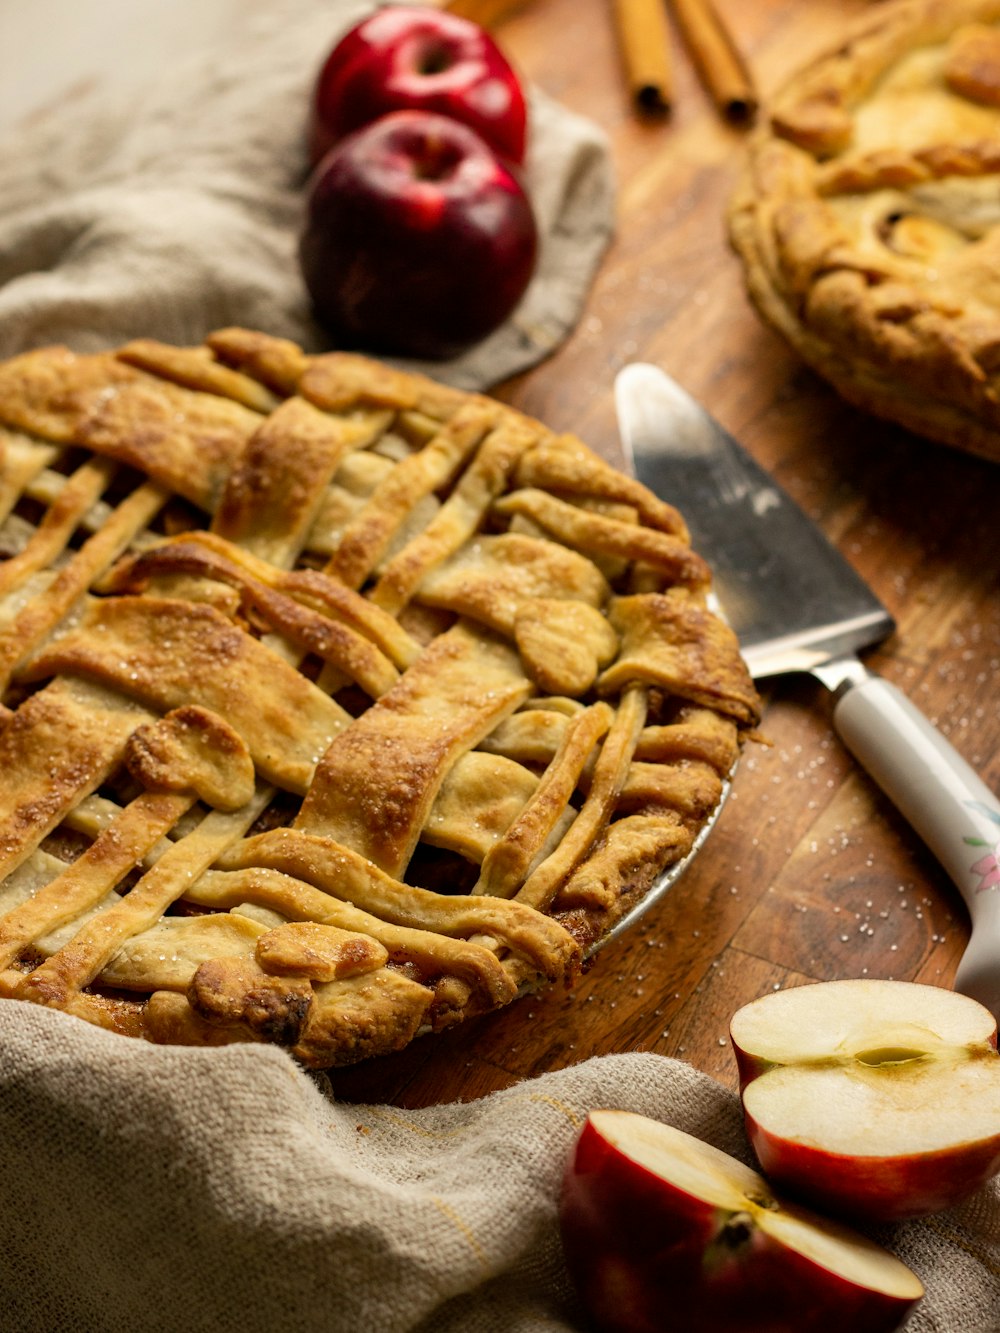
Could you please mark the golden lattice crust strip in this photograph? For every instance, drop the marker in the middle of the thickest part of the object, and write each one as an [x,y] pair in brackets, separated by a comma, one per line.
[53,392]
[494,577]
[427,951]
[164,653]
[565,465]
[599,534]
[610,774]
[193,750]
[625,855]
[205,554]
[508,862]
[22,459]
[374,789]
[197,368]
[352,652]
[186,755]
[675,767]
[57,526]
[534,733]
[275,362]
[442,695]
[343,382]
[89,879]
[275,489]
[40,616]
[479,800]
[542,596]
[563,643]
[344,875]
[169,953]
[80,961]
[186,441]
[55,750]
[698,733]
[674,643]
[318,951]
[459,518]
[692,790]
[368,535]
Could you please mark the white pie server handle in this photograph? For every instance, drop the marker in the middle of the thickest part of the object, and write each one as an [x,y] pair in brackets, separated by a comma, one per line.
[946,803]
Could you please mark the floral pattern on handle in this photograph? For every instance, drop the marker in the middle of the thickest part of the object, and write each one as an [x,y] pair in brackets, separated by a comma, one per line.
[988,866]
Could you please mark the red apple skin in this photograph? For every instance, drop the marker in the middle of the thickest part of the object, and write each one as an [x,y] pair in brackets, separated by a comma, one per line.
[418,240]
[646,1256]
[748,1066]
[417,59]
[874,1189]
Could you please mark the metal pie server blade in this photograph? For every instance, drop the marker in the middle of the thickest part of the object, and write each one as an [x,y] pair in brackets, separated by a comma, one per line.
[798,606]
[792,599]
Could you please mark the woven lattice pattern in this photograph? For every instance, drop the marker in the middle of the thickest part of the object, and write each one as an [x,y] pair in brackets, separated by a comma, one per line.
[338,704]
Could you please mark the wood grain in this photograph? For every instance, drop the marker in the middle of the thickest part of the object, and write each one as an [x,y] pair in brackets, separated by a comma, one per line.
[809,873]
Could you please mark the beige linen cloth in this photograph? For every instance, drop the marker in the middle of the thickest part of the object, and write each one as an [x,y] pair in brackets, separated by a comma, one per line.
[153,1189]
[172,209]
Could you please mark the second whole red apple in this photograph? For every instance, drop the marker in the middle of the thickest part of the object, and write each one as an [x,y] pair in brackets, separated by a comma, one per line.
[413,58]
[418,240]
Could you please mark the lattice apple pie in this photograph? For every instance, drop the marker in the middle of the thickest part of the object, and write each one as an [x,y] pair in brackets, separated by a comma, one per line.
[338,705]
[869,218]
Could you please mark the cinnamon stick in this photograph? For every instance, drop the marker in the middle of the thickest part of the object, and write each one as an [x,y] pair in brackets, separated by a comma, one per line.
[719,63]
[644,39]
[487,13]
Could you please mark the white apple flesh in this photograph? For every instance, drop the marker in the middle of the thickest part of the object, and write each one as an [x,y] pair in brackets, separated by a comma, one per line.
[874,1099]
[663,1231]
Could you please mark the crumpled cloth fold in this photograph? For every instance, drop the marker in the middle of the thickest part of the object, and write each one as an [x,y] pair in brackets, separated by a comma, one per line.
[159,1188]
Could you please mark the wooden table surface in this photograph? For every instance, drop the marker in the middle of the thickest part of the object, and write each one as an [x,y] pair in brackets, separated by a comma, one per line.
[810,874]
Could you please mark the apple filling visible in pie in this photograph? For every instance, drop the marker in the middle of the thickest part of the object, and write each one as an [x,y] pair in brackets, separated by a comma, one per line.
[869,218]
[338,704]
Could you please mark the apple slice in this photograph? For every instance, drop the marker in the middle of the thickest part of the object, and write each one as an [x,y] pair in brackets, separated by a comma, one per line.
[874,1099]
[661,1230]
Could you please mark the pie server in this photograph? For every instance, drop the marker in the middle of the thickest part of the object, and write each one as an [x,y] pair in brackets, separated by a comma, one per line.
[798,606]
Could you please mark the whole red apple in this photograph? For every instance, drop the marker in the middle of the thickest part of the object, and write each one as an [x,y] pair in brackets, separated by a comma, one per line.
[411,58]
[418,239]
[662,1231]
[879,1100]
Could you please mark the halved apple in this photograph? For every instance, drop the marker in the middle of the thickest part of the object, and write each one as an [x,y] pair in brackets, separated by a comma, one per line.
[875,1099]
[661,1230]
